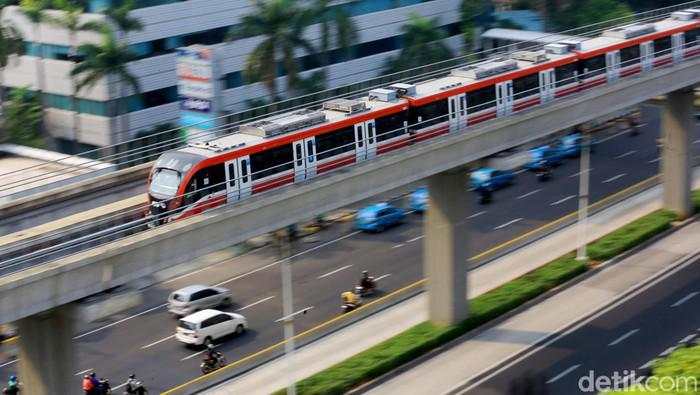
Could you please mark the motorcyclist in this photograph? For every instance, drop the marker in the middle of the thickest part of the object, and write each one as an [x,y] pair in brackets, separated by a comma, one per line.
[366,282]
[12,386]
[134,387]
[634,123]
[88,385]
[351,298]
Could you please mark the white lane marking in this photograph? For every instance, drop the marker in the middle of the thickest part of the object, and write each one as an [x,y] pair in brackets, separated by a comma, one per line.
[696,141]
[382,276]
[668,351]
[119,322]
[647,365]
[398,245]
[528,194]
[119,386]
[688,338]
[520,171]
[157,342]
[628,153]
[562,200]
[334,271]
[256,303]
[507,224]
[623,337]
[414,239]
[612,137]
[684,299]
[214,265]
[654,160]
[562,374]
[581,172]
[613,178]
[9,363]
[197,353]
[84,371]
[476,214]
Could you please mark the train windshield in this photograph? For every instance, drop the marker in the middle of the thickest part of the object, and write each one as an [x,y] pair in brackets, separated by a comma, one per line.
[165,182]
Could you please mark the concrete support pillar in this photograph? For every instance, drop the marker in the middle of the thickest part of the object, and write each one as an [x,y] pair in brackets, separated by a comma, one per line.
[677,125]
[46,358]
[445,248]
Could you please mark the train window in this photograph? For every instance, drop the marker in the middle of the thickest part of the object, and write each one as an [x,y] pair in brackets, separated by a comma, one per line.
[565,74]
[592,66]
[232,175]
[481,99]
[526,86]
[691,37]
[299,155]
[370,133]
[335,143]
[629,55]
[271,161]
[244,171]
[360,139]
[310,151]
[662,46]
[430,114]
[211,179]
[390,126]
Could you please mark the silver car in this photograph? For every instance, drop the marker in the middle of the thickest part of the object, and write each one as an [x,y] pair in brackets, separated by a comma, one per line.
[194,298]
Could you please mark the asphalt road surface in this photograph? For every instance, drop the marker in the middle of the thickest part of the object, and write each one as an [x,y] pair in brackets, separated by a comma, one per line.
[619,344]
[141,340]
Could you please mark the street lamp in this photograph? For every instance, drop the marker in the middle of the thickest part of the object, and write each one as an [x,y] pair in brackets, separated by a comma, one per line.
[583,186]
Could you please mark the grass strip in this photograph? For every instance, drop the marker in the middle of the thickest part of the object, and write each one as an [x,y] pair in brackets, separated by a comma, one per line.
[420,339]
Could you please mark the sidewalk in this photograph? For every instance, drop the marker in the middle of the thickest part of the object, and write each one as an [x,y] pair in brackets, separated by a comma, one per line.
[385,324]
[474,357]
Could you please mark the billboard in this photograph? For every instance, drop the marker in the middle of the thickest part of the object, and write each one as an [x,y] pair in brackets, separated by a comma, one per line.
[198,91]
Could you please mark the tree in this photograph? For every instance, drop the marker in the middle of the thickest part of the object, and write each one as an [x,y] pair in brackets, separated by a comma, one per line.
[119,17]
[578,14]
[282,24]
[70,19]
[22,118]
[336,23]
[10,44]
[108,59]
[474,13]
[422,44]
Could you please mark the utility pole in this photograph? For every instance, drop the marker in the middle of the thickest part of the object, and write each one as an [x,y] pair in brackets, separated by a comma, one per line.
[583,186]
[285,241]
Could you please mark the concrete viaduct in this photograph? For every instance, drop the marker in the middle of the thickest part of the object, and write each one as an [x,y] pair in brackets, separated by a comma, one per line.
[40,299]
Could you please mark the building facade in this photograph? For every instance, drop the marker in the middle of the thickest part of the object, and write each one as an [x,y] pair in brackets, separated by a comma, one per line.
[171,24]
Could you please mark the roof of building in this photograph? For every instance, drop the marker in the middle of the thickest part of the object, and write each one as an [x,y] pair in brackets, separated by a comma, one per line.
[526,35]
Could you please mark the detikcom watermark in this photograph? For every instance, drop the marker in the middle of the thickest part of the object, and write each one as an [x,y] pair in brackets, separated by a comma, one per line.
[628,380]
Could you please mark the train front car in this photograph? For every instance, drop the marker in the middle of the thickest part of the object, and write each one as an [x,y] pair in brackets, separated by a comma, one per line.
[166,184]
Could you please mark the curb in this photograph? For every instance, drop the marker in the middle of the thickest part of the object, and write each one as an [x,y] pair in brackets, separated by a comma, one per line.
[532,302]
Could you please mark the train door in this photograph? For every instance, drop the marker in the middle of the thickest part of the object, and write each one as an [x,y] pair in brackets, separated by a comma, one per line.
[612,62]
[458,111]
[677,45]
[365,141]
[547,85]
[646,54]
[238,179]
[504,98]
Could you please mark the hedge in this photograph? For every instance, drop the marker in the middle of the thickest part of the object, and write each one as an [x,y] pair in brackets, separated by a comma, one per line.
[420,339]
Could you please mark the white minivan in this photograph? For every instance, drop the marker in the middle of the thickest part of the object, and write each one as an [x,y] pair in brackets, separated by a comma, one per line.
[203,327]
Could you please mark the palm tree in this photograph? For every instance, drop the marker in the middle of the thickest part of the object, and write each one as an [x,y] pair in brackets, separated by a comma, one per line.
[119,16]
[10,44]
[344,29]
[108,59]
[70,20]
[34,11]
[282,23]
[422,44]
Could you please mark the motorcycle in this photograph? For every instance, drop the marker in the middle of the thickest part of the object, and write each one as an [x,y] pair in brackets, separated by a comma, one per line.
[135,388]
[485,196]
[348,307]
[209,365]
[103,387]
[366,290]
[543,174]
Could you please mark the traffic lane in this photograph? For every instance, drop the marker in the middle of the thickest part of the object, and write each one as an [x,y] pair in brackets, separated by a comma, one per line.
[624,338]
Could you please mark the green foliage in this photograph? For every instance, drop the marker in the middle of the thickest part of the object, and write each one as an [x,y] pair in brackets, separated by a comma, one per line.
[336,23]
[421,45]
[630,235]
[424,337]
[682,363]
[282,24]
[119,16]
[22,118]
[588,12]
[474,13]
[10,43]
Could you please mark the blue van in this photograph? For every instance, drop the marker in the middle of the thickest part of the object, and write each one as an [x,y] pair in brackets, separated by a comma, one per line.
[488,178]
[377,217]
[544,156]
[418,200]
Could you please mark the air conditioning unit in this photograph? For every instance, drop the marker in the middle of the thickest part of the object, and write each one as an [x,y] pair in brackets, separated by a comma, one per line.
[385,95]
[631,31]
[349,106]
[682,16]
[694,11]
[557,49]
[573,45]
[485,69]
[530,56]
[404,89]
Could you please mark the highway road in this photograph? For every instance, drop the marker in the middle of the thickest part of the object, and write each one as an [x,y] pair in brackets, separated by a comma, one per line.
[618,344]
[140,341]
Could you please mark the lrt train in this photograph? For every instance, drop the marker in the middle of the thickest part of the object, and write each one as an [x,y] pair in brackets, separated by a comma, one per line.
[302,144]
